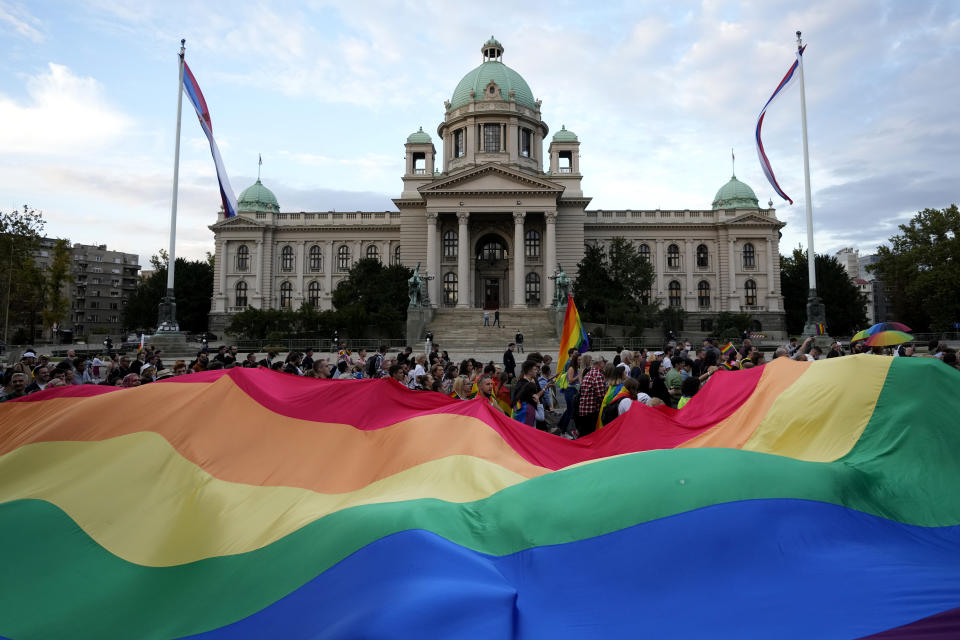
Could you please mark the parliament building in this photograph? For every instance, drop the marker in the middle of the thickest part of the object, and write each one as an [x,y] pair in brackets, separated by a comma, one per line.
[492,217]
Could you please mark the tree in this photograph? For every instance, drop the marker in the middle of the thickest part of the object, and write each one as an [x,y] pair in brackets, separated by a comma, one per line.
[20,235]
[58,277]
[373,295]
[921,269]
[193,285]
[845,305]
[615,288]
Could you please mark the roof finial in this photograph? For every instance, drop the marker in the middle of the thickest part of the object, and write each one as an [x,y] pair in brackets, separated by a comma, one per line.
[259,164]
[733,165]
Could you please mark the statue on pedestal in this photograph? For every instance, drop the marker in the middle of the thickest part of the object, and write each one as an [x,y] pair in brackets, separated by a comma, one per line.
[561,287]
[415,289]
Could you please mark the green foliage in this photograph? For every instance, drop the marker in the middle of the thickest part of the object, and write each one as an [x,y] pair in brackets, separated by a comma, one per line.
[22,282]
[728,323]
[57,278]
[671,318]
[193,287]
[615,289]
[845,305]
[372,295]
[921,270]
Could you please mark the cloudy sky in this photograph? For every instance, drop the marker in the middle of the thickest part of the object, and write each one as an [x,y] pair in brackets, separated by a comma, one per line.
[328,91]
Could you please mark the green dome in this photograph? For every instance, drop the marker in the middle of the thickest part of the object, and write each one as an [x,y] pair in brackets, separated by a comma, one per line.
[735,195]
[257,198]
[419,137]
[492,69]
[564,135]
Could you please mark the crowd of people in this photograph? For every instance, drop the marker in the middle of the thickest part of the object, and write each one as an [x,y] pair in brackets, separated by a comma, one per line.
[587,393]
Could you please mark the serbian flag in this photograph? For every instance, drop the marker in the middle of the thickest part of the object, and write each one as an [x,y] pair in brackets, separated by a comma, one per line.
[764,162]
[192,89]
[573,335]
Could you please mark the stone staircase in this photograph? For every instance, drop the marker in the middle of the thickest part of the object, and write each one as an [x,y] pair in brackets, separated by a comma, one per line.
[461,331]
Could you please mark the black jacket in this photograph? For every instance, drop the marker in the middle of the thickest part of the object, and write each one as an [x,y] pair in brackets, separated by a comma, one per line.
[509,364]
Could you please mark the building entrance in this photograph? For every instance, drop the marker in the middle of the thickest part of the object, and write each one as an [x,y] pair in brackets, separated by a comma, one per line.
[491,293]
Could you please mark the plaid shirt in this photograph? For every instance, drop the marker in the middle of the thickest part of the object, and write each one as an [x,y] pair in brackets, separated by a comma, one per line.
[592,388]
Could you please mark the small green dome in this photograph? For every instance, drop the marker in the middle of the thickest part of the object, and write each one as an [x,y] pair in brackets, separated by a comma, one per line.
[492,69]
[735,195]
[257,198]
[419,137]
[565,135]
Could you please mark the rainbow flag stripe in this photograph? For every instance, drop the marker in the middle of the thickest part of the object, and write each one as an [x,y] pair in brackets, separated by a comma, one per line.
[821,329]
[251,503]
[573,336]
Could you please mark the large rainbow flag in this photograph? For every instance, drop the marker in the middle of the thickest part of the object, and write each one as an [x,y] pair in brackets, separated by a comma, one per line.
[573,335]
[800,499]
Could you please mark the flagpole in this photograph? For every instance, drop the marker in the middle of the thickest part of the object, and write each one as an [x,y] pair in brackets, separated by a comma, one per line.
[816,314]
[168,315]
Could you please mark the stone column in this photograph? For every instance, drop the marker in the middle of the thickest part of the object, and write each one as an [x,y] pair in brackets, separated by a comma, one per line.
[659,262]
[731,257]
[771,281]
[518,263]
[432,266]
[549,257]
[221,262]
[300,264]
[331,249]
[463,259]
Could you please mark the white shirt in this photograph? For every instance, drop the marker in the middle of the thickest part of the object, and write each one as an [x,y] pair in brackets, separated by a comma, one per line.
[667,365]
[626,403]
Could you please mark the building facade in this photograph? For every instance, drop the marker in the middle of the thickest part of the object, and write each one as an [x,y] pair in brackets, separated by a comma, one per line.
[103,281]
[492,217]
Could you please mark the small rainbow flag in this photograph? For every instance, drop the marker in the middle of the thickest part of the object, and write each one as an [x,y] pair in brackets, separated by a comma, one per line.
[727,349]
[573,335]
[821,329]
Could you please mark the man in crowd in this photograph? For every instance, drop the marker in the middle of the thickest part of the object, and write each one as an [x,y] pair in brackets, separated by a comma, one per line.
[519,340]
[41,376]
[307,362]
[16,387]
[592,388]
[509,362]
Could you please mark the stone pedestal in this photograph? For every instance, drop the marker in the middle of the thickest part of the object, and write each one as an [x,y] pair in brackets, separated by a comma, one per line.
[169,341]
[418,321]
[816,314]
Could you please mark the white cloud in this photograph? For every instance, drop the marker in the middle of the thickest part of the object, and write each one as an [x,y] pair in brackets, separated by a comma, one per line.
[22,22]
[65,113]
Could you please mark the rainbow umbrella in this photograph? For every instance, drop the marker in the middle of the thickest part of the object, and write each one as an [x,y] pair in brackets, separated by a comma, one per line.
[879,327]
[888,338]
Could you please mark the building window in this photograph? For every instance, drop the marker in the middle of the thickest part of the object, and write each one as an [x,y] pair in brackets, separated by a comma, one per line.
[531,247]
[749,256]
[240,294]
[492,250]
[243,258]
[316,258]
[703,294]
[674,290]
[703,257]
[525,136]
[373,252]
[450,288]
[491,138]
[396,255]
[673,257]
[756,327]
[644,252]
[458,143]
[313,294]
[286,295]
[343,258]
[750,293]
[286,258]
[449,244]
[533,288]
[645,296]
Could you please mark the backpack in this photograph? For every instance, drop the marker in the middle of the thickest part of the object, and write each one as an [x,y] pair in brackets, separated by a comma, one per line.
[371,369]
[610,412]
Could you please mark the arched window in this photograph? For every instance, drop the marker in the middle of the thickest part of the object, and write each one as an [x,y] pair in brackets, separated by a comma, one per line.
[373,252]
[313,294]
[243,258]
[674,290]
[533,288]
[644,251]
[450,288]
[645,296]
[703,257]
[286,295]
[703,294]
[343,258]
[750,293]
[492,249]
[240,297]
[449,244]
[531,245]
[286,258]
[673,257]
[396,255]
[316,258]
[756,327]
[749,256]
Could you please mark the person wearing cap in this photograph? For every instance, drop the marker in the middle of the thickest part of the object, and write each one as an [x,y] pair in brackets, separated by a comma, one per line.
[29,358]
[41,376]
